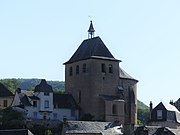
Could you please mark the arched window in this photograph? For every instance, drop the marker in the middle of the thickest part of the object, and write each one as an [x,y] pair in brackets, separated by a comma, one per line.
[110,68]
[114,109]
[70,71]
[77,69]
[84,68]
[103,68]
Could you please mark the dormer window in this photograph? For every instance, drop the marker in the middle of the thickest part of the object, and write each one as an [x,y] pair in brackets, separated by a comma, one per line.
[159,114]
[34,103]
[46,93]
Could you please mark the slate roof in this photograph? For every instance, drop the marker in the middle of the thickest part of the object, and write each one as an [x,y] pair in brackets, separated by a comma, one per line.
[104,128]
[4,92]
[151,129]
[91,47]
[24,99]
[166,129]
[64,101]
[15,132]
[170,107]
[155,130]
[24,95]
[125,75]
[43,87]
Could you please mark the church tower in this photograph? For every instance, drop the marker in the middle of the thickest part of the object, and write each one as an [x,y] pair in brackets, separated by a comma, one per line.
[97,83]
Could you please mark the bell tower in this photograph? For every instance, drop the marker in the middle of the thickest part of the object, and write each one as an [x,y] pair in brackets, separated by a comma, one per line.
[100,87]
[91,30]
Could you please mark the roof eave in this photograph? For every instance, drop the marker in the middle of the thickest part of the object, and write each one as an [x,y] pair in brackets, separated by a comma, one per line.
[94,57]
[129,79]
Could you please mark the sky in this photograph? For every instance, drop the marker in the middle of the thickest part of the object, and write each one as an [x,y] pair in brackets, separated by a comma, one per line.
[38,36]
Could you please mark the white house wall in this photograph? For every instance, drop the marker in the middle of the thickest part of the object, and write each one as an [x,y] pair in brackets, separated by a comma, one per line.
[65,113]
[43,98]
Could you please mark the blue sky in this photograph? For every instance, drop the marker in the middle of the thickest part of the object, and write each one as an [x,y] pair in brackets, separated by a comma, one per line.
[37,37]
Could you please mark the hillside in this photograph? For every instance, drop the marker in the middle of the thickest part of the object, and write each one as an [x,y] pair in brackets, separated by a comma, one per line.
[141,105]
[27,83]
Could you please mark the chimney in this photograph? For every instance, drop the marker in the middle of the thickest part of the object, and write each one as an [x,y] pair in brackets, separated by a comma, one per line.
[150,109]
[171,102]
[18,90]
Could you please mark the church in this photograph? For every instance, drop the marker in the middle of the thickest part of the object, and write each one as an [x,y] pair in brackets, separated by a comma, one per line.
[102,89]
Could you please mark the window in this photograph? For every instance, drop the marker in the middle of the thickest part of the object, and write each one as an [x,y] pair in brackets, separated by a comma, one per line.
[110,68]
[70,71]
[55,116]
[46,93]
[46,104]
[77,69]
[103,68]
[35,115]
[34,103]
[84,68]
[159,114]
[44,117]
[114,109]
[5,102]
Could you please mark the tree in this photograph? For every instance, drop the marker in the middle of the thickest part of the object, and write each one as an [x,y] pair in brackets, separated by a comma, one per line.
[10,84]
[11,119]
[143,116]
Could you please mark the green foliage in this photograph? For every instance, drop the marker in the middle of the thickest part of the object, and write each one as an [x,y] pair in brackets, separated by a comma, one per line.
[38,129]
[44,130]
[12,119]
[59,91]
[11,84]
[141,105]
[29,84]
[143,113]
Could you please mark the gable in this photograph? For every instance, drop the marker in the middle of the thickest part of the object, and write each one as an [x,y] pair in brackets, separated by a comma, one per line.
[4,92]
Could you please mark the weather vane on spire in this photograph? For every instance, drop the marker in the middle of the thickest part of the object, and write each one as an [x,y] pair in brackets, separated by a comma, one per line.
[91,30]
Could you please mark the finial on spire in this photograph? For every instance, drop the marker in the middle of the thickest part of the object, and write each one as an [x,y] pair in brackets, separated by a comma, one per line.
[91,30]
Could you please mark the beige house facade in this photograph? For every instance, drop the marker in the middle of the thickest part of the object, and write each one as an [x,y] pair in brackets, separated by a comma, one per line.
[6,97]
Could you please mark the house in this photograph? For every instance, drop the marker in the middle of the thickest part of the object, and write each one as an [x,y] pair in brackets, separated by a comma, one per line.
[156,130]
[6,97]
[99,85]
[165,115]
[91,128]
[43,103]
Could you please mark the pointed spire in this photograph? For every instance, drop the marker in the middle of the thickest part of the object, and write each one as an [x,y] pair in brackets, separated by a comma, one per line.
[91,30]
